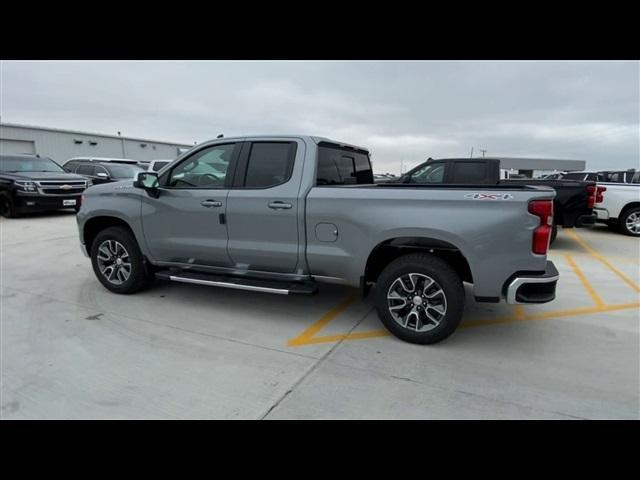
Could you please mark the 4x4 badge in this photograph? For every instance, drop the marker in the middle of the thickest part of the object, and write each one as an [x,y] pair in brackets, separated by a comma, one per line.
[489,196]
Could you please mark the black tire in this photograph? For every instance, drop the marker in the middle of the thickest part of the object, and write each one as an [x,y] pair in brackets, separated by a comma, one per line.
[7,208]
[446,279]
[140,275]
[554,234]
[622,221]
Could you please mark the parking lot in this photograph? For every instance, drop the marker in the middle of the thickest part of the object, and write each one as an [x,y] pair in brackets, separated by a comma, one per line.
[71,349]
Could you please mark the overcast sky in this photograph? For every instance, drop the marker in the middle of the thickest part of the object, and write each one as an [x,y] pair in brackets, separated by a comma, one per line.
[401,111]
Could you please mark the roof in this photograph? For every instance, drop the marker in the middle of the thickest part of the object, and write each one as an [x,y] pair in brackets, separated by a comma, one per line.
[34,127]
[530,163]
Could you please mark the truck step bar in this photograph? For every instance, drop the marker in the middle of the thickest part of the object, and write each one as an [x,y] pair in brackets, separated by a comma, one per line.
[240,283]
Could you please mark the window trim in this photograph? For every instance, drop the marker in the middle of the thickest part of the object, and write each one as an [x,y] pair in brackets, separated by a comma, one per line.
[228,179]
[240,177]
[88,164]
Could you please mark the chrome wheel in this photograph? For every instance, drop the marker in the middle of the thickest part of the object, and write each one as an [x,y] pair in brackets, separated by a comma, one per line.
[633,223]
[113,262]
[416,302]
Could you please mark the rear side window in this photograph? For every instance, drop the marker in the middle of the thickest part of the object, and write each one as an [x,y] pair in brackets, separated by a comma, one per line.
[269,164]
[85,169]
[343,167]
[469,172]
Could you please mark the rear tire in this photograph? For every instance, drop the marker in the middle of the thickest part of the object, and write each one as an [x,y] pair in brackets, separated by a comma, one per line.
[408,302]
[7,208]
[629,222]
[118,262]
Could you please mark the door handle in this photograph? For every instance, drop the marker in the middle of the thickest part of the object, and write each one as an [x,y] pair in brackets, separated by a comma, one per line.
[280,205]
[210,203]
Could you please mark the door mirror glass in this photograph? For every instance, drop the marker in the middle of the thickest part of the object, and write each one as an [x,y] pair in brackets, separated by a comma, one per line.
[146,180]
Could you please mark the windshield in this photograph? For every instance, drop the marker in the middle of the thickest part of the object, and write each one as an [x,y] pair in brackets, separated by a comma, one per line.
[124,171]
[28,164]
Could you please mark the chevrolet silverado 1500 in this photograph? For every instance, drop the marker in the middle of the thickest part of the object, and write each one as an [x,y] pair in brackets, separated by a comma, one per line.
[281,214]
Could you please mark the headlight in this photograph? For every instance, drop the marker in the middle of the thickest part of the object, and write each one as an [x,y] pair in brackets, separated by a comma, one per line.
[26,185]
[89,183]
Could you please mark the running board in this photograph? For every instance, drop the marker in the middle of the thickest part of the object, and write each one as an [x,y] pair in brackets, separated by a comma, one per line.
[240,283]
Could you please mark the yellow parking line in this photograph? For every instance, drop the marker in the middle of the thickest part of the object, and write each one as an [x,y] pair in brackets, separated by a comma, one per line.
[315,327]
[595,254]
[585,283]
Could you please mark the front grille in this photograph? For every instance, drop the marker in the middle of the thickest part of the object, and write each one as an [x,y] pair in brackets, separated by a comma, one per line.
[59,191]
[58,183]
[61,187]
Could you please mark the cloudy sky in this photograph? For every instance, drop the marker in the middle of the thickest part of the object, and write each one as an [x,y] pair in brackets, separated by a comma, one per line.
[402,111]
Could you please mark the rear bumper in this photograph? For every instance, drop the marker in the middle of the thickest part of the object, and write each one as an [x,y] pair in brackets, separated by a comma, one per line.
[602,213]
[528,287]
[586,220]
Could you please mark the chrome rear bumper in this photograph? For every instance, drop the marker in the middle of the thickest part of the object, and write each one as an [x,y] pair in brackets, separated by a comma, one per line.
[531,287]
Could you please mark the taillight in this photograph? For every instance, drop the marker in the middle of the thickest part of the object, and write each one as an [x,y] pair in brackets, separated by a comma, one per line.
[543,209]
[591,199]
[599,191]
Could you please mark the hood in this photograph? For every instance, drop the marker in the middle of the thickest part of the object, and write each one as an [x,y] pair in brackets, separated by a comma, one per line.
[42,176]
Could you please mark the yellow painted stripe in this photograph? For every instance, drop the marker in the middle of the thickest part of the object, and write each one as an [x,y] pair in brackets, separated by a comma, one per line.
[585,283]
[519,312]
[315,327]
[595,254]
[474,323]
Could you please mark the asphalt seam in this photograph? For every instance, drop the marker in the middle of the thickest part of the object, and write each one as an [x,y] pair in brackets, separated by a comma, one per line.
[313,368]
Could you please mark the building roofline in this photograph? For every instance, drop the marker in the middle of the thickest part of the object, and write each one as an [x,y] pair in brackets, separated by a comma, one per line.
[63,130]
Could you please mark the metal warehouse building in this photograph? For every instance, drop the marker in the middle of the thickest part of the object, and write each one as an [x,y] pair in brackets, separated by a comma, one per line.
[60,145]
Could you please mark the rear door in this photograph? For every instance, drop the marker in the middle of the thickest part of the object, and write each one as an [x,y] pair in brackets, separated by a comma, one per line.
[263,206]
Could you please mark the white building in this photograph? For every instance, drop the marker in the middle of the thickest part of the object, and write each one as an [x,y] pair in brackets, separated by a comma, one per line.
[61,145]
[535,167]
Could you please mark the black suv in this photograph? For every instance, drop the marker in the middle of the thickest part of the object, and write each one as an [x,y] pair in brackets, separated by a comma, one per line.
[31,183]
[103,171]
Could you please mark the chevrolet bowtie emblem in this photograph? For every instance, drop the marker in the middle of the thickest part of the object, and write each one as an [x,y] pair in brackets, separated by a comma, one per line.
[65,187]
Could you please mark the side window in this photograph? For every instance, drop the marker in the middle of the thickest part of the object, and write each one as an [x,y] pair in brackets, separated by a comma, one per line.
[70,166]
[269,164]
[85,169]
[342,167]
[430,173]
[469,172]
[205,169]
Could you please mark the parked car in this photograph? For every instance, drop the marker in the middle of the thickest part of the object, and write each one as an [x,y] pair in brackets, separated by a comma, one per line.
[104,172]
[573,203]
[157,165]
[383,177]
[620,208]
[30,183]
[282,214]
[68,164]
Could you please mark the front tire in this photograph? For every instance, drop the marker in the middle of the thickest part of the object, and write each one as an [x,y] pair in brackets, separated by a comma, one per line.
[7,208]
[420,298]
[629,222]
[118,262]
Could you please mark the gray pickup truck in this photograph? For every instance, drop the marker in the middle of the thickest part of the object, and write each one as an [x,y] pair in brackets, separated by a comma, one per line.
[280,214]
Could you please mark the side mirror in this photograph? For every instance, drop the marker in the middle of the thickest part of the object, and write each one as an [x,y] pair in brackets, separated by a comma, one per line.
[147,181]
[102,175]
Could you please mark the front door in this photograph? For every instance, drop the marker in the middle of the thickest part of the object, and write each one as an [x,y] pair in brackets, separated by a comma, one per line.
[186,223]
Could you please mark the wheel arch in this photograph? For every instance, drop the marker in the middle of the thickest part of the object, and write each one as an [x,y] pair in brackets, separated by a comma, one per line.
[388,250]
[93,226]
